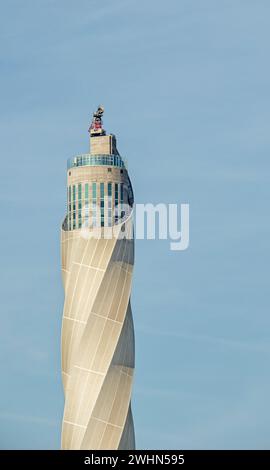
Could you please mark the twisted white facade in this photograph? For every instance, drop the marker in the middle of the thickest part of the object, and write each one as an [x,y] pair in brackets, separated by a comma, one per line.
[97,328]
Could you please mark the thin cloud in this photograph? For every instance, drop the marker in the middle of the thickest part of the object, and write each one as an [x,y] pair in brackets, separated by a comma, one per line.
[238,344]
[8,416]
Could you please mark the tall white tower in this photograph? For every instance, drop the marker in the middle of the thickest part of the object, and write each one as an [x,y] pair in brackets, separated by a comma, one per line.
[97,249]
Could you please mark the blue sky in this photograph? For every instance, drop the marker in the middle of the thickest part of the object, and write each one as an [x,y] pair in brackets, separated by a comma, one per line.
[185,85]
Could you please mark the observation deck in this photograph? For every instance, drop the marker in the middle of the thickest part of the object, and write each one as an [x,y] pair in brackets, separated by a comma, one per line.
[88,159]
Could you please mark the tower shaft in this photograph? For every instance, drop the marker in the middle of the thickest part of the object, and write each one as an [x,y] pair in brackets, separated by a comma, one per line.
[97,327]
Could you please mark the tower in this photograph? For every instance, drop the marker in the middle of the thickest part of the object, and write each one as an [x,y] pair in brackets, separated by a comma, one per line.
[97,250]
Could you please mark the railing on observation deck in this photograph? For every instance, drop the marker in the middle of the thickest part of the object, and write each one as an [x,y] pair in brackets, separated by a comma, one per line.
[88,159]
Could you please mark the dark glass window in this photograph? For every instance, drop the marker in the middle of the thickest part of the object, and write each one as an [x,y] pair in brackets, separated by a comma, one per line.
[116,200]
[101,190]
[94,190]
[94,200]
[116,194]
[109,189]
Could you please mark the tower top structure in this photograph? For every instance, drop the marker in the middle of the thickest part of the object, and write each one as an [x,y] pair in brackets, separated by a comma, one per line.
[96,127]
[100,142]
